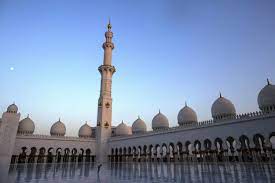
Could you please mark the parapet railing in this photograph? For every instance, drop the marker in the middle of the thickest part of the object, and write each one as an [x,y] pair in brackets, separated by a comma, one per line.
[53,137]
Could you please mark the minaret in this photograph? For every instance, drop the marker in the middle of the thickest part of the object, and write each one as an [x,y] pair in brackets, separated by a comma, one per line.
[104,114]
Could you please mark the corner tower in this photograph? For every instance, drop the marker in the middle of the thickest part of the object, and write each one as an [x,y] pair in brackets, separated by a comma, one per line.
[104,113]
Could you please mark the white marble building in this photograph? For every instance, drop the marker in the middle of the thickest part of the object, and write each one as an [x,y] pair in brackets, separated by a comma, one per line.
[229,136]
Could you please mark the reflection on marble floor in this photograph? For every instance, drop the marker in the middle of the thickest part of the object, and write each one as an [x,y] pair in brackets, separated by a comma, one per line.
[144,172]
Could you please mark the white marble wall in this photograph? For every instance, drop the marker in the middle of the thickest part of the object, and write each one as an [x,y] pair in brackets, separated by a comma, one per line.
[249,126]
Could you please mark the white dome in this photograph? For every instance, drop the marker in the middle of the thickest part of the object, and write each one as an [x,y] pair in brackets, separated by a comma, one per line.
[123,129]
[223,108]
[266,97]
[26,126]
[139,126]
[187,116]
[85,131]
[12,108]
[160,121]
[58,129]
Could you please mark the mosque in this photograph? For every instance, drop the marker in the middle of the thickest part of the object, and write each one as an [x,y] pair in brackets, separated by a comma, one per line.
[229,136]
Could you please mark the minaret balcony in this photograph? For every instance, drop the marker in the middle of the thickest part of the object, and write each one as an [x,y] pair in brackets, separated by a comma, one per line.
[107,68]
[108,45]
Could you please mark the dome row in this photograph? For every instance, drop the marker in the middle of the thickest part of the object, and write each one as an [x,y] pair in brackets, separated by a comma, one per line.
[222,108]
[26,126]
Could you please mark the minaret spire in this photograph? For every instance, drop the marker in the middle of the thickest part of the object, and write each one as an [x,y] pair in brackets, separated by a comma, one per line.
[108,45]
[109,26]
[104,112]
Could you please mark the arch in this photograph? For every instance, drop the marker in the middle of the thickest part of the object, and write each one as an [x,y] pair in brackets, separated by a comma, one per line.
[187,144]
[171,151]
[23,155]
[158,152]
[50,149]
[258,140]
[66,155]
[207,144]
[80,155]
[218,144]
[164,152]
[88,155]
[58,154]
[134,151]
[197,145]
[231,143]
[50,155]
[32,155]
[120,151]
[58,150]
[144,150]
[129,150]
[171,147]
[41,155]
[179,146]
[244,140]
[74,155]
[151,152]
[74,151]
[124,151]
[88,152]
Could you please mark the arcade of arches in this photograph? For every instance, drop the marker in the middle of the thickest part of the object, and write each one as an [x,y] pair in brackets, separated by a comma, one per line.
[232,149]
[43,155]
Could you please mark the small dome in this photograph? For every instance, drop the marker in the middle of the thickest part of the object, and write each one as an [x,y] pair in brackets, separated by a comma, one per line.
[266,97]
[58,129]
[187,116]
[160,121]
[139,126]
[12,108]
[26,126]
[85,131]
[223,108]
[122,129]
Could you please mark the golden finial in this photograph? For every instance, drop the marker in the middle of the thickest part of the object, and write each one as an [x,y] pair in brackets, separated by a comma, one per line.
[109,26]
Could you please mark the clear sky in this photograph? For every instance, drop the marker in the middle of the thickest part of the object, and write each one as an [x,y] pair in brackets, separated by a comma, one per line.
[166,52]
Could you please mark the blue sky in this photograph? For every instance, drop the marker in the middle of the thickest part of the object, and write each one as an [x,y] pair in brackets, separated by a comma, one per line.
[166,52]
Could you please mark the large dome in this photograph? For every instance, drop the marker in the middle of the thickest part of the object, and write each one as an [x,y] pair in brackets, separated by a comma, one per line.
[12,108]
[26,126]
[122,129]
[223,108]
[139,126]
[266,97]
[58,129]
[160,121]
[187,116]
[85,131]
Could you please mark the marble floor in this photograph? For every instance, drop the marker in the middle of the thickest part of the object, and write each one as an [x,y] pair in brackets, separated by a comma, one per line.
[144,172]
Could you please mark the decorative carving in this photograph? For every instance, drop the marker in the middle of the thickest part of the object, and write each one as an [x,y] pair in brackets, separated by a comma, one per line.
[106,124]
[107,105]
